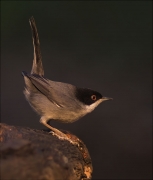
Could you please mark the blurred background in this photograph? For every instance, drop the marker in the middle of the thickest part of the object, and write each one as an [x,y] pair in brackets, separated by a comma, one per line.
[102,45]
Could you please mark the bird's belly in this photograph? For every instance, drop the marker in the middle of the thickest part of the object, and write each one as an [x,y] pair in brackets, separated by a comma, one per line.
[44,107]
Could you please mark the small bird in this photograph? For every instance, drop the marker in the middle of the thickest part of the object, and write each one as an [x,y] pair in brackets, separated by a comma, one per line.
[56,100]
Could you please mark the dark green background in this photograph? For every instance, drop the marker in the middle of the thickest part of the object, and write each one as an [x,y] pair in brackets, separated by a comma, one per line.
[102,45]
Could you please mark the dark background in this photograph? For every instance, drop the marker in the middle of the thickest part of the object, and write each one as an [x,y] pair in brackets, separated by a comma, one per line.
[105,46]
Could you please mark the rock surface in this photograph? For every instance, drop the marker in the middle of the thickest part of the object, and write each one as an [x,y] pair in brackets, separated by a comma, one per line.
[36,154]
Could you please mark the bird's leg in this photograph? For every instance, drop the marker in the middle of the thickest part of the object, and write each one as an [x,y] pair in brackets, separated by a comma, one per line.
[56,132]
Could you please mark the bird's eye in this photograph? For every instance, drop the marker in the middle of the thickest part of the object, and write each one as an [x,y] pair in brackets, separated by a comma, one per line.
[93,97]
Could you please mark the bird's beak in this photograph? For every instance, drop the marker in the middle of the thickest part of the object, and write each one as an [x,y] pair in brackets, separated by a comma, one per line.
[106,98]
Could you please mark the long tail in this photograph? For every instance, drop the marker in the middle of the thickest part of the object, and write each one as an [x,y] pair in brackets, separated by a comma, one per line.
[37,67]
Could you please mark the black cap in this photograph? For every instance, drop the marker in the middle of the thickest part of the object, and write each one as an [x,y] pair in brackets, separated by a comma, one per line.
[87,96]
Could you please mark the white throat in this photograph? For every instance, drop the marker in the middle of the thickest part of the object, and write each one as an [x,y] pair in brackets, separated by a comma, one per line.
[91,107]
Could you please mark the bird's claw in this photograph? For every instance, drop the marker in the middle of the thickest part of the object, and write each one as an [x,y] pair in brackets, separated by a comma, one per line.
[63,136]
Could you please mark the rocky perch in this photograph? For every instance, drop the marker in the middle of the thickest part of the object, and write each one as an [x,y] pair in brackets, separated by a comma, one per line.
[36,154]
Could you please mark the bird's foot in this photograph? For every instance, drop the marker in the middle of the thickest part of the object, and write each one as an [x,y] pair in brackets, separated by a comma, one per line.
[67,137]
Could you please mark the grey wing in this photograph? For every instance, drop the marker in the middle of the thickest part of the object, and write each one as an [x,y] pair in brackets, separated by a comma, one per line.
[61,94]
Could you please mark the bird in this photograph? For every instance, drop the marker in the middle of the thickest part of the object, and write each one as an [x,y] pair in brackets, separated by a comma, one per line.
[54,100]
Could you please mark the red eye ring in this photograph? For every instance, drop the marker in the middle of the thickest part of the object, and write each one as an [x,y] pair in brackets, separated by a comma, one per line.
[93,97]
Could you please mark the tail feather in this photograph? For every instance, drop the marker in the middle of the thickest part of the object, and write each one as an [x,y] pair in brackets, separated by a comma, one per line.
[24,73]
[37,67]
